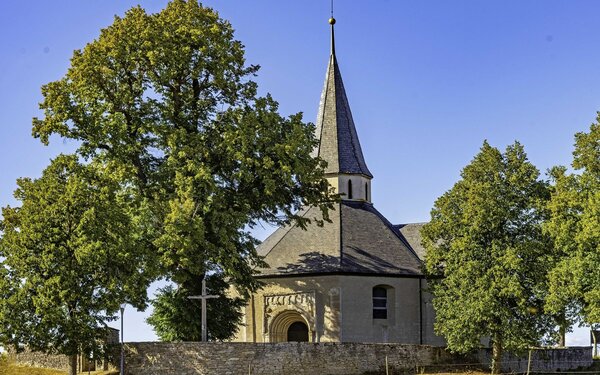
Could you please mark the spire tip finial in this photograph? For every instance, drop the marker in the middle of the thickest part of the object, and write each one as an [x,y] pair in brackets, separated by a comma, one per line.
[332,22]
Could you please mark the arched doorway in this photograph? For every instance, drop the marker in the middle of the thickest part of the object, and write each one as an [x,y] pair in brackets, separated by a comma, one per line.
[297,332]
[288,326]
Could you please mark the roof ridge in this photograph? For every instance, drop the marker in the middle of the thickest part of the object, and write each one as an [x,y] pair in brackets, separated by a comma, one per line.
[413,223]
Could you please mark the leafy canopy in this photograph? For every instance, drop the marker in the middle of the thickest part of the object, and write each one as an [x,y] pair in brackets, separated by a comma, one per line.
[69,256]
[574,225]
[167,103]
[486,254]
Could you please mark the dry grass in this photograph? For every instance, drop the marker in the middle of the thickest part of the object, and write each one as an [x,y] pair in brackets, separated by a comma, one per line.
[7,368]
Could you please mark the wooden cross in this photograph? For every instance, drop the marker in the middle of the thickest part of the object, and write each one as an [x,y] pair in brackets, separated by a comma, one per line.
[203,297]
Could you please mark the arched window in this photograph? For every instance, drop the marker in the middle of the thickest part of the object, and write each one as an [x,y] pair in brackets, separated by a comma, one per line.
[379,303]
[349,189]
[366,191]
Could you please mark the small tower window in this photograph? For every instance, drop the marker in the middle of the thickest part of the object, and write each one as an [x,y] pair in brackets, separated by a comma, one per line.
[349,189]
[366,191]
[379,303]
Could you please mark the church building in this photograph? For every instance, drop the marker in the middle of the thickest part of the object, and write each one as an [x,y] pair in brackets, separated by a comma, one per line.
[357,278]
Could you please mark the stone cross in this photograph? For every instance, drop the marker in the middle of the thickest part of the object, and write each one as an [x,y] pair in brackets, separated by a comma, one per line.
[203,297]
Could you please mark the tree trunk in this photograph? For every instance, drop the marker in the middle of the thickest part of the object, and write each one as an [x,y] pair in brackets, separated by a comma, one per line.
[73,364]
[562,332]
[594,338]
[496,354]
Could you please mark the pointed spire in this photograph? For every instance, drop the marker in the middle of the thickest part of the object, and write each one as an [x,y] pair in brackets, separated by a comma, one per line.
[338,141]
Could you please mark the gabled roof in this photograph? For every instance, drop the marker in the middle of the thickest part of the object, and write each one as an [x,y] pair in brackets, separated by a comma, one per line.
[338,141]
[357,240]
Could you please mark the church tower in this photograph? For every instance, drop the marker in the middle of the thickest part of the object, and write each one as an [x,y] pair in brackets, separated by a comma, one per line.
[339,145]
[356,278]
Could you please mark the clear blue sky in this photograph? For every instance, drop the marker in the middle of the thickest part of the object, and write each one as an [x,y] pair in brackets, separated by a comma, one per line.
[427,81]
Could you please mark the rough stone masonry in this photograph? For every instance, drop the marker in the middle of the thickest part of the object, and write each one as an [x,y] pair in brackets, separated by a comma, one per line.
[324,358]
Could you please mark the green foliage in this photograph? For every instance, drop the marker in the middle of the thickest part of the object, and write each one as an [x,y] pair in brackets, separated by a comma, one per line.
[486,254]
[167,104]
[69,256]
[184,159]
[574,225]
[177,318]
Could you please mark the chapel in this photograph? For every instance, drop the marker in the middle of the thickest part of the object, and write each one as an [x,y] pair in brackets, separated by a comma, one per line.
[357,278]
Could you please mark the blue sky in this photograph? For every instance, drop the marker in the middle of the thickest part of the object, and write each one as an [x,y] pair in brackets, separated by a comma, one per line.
[427,81]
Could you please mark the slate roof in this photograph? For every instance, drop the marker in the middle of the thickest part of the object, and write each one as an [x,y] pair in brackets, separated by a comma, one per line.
[357,240]
[339,145]
[412,233]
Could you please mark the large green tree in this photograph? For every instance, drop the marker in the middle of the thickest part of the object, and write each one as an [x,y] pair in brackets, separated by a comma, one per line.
[68,257]
[574,225]
[487,256]
[167,103]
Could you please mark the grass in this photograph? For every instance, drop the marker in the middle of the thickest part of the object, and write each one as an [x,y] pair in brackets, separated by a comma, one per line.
[7,368]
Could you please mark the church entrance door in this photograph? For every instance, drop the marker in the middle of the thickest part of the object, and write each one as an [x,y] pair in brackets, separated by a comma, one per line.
[297,332]
[289,325]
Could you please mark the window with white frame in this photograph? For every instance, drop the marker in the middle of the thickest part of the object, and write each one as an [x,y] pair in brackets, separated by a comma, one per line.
[380,301]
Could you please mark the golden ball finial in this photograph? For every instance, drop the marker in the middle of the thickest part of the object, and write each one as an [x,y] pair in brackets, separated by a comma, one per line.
[332,21]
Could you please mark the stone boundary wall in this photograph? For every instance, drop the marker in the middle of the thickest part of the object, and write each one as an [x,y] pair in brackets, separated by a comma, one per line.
[191,358]
[61,362]
[327,359]
[37,359]
[543,359]
[273,359]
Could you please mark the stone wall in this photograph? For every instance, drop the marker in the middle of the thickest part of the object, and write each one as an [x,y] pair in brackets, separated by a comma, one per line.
[37,359]
[274,359]
[154,358]
[542,360]
[327,359]
[61,362]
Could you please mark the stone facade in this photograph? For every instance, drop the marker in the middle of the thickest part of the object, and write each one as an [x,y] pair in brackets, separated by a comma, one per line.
[361,187]
[338,308]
